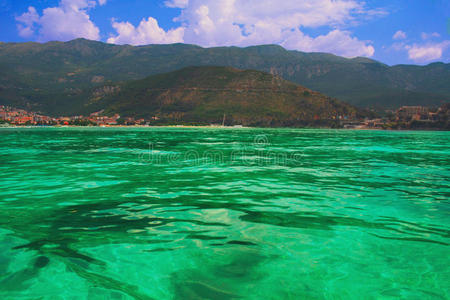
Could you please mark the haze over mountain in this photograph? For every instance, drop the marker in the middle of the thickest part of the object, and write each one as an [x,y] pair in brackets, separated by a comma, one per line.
[56,77]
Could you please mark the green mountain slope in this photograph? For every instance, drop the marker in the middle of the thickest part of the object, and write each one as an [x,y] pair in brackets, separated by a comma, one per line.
[53,76]
[205,94]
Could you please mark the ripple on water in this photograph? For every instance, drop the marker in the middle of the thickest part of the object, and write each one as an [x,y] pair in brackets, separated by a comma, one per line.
[355,214]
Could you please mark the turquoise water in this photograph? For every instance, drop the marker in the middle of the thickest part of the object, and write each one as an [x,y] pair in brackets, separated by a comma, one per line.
[182,213]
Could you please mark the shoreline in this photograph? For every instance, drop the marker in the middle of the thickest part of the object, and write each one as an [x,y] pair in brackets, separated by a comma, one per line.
[216,127]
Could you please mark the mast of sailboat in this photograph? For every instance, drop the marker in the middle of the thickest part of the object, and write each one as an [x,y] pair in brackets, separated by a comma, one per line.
[223,121]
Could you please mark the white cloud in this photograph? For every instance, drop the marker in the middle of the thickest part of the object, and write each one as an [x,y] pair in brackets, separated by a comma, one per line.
[426,53]
[77,4]
[336,41]
[67,21]
[399,35]
[177,3]
[426,36]
[423,53]
[27,20]
[243,22]
[148,32]
[61,24]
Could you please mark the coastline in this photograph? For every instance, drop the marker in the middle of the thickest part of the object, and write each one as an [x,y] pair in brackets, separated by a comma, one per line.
[219,127]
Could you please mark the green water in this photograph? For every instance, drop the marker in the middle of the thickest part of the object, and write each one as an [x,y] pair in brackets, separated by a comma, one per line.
[175,213]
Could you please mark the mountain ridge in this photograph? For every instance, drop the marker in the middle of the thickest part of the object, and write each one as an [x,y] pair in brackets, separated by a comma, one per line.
[33,75]
[83,41]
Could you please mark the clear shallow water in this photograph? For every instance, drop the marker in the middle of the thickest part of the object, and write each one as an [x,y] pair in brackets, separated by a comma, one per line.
[173,213]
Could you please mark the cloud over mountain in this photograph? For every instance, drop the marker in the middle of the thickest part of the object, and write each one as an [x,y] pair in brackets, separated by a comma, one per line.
[147,32]
[427,52]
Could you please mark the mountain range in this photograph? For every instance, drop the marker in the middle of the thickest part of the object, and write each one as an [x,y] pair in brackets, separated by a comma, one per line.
[59,78]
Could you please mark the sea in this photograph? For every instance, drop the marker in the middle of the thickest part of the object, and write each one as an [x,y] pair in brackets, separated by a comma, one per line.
[224,213]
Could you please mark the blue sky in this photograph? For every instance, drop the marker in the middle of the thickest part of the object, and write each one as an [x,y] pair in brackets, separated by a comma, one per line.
[393,32]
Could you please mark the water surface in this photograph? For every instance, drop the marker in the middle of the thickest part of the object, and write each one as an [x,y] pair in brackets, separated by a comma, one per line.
[182,213]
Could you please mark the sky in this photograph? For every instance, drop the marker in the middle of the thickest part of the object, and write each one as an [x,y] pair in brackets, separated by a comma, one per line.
[390,31]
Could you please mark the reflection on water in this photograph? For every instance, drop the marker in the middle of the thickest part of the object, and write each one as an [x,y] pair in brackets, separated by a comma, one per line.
[224,214]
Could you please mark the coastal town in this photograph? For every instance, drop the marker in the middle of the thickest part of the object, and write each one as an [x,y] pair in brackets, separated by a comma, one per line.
[406,117]
[21,117]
